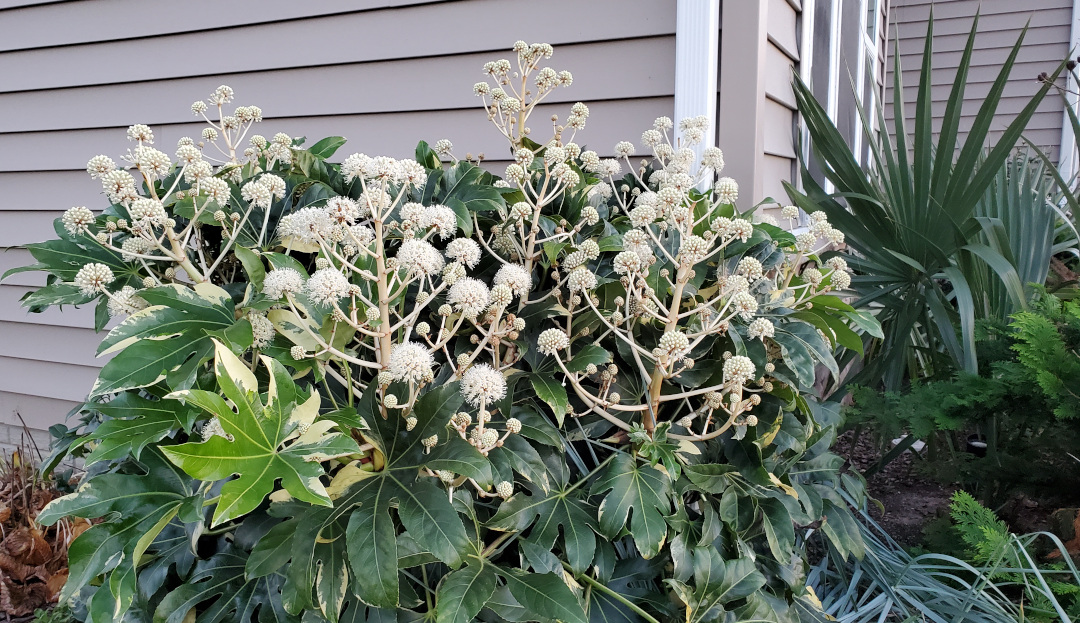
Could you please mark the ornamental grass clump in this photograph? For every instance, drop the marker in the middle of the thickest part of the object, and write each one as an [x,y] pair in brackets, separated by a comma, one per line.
[411,389]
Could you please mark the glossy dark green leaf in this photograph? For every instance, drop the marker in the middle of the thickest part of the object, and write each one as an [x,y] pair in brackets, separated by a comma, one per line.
[463,593]
[645,489]
[545,595]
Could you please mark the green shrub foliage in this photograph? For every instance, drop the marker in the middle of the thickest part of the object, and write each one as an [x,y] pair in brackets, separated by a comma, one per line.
[1023,405]
[407,389]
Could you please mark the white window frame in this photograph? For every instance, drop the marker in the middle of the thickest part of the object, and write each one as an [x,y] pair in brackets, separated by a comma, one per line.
[1068,163]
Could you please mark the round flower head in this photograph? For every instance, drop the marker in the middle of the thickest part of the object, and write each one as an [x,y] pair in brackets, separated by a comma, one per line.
[141,133]
[464,250]
[125,302]
[282,280]
[440,218]
[674,343]
[262,330]
[148,210]
[501,296]
[552,341]
[581,279]
[840,280]
[837,263]
[443,147]
[627,263]
[591,249]
[750,268]
[515,277]
[693,249]
[342,209]
[327,286]
[505,489]
[92,278]
[470,296]
[419,257]
[642,215]
[411,361]
[256,193]
[590,215]
[804,242]
[761,328]
[813,276]
[78,220]
[739,370]
[745,304]
[99,166]
[727,190]
[789,212]
[482,385]
[713,158]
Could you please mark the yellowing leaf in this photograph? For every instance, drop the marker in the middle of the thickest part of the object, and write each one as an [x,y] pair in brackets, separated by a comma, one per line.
[786,488]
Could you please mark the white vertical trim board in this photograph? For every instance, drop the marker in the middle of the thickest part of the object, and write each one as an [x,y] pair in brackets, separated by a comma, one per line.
[697,57]
[1067,153]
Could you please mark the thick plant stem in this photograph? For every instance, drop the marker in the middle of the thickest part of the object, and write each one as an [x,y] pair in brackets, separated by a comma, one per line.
[657,379]
[384,294]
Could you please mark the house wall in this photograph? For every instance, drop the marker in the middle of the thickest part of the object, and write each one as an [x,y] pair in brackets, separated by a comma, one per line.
[1046,44]
[383,73]
[756,119]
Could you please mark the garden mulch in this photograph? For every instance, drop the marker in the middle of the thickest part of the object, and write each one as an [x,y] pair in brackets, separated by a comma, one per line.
[908,500]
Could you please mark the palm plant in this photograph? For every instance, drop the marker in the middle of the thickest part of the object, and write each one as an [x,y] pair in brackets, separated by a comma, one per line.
[1019,217]
[912,218]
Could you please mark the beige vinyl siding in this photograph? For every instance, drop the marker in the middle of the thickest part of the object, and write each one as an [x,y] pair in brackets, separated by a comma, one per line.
[383,73]
[756,105]
[781,56]
[1001,21]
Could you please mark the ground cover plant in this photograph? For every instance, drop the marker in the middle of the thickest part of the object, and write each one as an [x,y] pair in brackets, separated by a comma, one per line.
[405,389]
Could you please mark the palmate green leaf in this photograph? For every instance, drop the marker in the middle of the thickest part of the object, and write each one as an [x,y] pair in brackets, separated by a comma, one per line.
[144,503]
[66,256]
[220,581]
[717,582]
[133,423]
[544,595]
[546,513]
[364,511]
[463,593]
[159,339]
[646,490]
[266,443]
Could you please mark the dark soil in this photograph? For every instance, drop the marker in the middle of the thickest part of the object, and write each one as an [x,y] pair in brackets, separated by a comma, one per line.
[910,499]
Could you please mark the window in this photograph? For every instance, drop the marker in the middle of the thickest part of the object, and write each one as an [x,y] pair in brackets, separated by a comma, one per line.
[841,40]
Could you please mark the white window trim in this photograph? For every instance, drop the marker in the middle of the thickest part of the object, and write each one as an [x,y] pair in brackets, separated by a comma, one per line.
[697,58]
[1067,153]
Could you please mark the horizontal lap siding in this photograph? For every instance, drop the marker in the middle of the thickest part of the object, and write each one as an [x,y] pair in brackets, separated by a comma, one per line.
[1045,45]
[382,73]
[778,114]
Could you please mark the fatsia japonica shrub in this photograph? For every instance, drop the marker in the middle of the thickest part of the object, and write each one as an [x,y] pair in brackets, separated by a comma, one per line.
[406,389]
